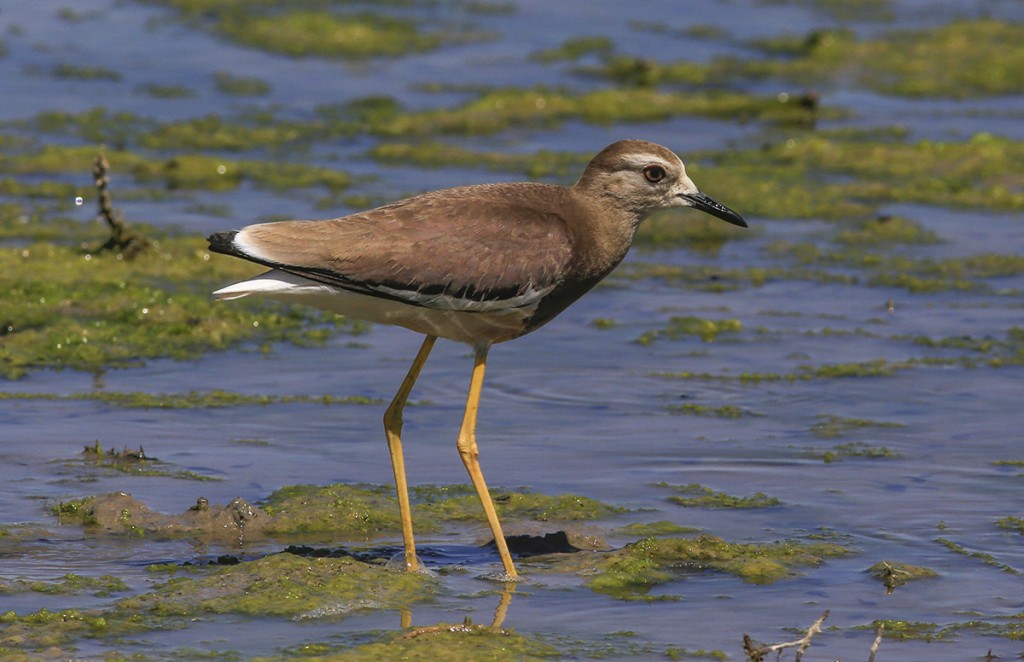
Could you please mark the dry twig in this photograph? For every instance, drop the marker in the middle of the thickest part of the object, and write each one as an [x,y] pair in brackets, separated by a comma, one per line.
[878,642]
[757,653]
[122,240]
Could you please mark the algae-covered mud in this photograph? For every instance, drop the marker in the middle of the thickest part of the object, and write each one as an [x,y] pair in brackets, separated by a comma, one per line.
[734,433]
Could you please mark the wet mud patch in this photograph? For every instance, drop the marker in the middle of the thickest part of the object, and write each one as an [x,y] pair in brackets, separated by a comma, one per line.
[120,513]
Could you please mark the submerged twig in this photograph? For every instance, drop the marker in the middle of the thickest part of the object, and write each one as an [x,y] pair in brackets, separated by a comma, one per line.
[757,653]
[892,576]
[122,240]
[878,642]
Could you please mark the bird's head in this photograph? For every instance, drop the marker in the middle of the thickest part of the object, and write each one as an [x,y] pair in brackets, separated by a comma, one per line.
[642,177]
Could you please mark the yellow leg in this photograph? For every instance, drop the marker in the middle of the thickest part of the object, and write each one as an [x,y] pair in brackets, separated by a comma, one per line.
[471,458]
[393,430]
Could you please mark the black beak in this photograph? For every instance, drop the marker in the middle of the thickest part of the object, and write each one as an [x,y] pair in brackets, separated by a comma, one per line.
[702,202]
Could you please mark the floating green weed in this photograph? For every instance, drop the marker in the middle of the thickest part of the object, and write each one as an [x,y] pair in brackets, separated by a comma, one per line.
[897,629]
[364,511]
[855,449]
[25,223]
[165,91]
[687,326]
[965,58]
[575,48]
[634,570]
[303,33]
[675,228]
[213,132]
[133,462]
[1012,523]
[190,399]
[692,409]
[71,309]
[841,10]
[354,512]
[300,31]
[831,175]
[286,585]
[962,59]
[919,275]
[893,574]
[240,86]
[69,584]
[98,126]
[873,368]
[717,279]
[454,642]
[838,426]
[644,72]
[886,231]
[540,164]
[183,171]
[520,505]
[80,72]
[927,172]
[699,496]
[76,511]
[497,110]
[984,557]
[74,16]
[49,630]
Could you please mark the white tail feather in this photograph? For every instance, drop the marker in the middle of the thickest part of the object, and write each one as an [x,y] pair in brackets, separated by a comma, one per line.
[272,283]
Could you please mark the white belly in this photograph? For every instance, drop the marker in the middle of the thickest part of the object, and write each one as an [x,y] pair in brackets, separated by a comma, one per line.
[494,325]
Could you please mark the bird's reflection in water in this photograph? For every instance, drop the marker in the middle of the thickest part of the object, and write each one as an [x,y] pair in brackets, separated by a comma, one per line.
[500,613]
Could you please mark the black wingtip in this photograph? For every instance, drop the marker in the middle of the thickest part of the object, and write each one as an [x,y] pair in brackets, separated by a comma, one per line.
[223,242]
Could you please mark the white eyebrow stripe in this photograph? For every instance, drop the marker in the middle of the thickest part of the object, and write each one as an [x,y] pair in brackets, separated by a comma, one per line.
[639,161]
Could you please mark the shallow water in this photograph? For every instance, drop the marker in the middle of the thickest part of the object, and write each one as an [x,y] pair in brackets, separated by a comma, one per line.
[573,408]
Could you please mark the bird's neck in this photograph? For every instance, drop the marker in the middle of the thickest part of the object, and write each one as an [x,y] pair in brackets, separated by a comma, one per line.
[603,237]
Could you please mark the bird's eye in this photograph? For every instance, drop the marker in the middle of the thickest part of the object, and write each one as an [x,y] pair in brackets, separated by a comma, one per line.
[654,173]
